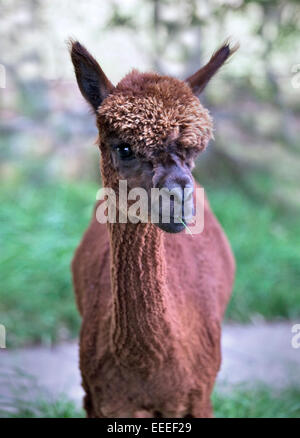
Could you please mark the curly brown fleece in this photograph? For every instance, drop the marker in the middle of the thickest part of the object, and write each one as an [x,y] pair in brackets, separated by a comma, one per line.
[151,303]
[145,108]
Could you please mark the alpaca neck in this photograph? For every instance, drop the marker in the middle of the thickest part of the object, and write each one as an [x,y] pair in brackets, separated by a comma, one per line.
[140,326]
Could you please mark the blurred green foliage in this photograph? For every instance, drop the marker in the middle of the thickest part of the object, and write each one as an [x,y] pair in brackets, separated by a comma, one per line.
[42,407]
[266,244]
[256,402]
[42,225]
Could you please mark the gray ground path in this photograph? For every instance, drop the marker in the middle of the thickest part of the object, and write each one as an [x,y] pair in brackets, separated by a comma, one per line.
[251,353]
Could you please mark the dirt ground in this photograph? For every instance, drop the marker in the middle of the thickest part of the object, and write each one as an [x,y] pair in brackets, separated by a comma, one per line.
[251,354]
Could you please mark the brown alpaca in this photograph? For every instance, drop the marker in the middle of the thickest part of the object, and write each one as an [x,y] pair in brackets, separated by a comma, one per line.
[151,302]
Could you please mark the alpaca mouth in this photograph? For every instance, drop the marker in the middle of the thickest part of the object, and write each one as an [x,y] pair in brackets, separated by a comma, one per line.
[171,226]
[176,217]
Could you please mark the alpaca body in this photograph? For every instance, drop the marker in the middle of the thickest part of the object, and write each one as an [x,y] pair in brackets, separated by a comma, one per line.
[151,302]
[169,369]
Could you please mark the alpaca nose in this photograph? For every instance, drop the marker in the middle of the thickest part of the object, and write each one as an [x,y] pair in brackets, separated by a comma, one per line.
[179,182]
[176,203]
[182,199]
[181,192]
[174,178]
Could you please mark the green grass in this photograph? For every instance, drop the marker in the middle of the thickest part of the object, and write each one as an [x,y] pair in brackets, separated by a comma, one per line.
[23,397]
[41,224]
[258,402]
[266,244]
[40,228]
[43,408]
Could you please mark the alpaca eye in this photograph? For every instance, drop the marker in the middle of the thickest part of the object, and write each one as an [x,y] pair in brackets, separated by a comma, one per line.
[125,152]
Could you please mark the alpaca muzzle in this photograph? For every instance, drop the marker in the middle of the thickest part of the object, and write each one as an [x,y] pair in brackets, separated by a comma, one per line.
[173,201]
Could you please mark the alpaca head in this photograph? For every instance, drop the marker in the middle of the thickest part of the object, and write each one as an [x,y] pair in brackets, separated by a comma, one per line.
[151,127]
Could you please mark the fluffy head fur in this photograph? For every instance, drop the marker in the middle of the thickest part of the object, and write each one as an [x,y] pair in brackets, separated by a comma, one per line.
[146,110]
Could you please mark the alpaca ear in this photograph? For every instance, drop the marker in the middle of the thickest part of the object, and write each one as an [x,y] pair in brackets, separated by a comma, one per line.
[92,81]
[200,79]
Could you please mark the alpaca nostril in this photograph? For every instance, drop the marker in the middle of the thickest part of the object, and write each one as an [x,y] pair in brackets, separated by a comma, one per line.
[182,202]
[188,192]
[177,194]
[188,202]
[180,194]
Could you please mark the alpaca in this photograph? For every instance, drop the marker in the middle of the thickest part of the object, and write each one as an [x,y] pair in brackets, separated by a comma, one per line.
[151,299]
